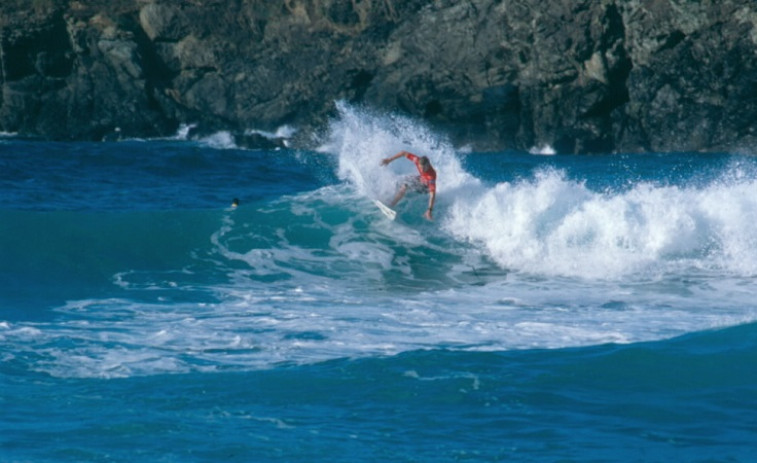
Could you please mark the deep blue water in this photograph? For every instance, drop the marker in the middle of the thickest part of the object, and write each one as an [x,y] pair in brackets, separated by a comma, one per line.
[559,308]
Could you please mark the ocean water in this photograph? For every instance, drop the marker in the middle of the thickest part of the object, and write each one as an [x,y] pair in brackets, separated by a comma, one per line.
[558,308]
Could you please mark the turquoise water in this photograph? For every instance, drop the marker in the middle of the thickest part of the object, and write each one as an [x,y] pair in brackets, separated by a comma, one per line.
[559,308]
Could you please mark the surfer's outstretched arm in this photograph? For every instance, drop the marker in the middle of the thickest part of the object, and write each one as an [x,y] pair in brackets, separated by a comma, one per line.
[386,161]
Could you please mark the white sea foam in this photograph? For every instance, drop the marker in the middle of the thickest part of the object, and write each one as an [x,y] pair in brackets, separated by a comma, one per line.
[182,133]
[543,150]
[554,226]
[361,139]
[219,140]
[285,131]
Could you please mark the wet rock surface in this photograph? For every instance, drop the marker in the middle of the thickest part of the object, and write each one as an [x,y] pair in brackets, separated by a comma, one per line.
[581,76]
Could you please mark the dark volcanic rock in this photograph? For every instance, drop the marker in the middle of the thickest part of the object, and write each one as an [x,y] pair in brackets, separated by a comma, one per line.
[580,75]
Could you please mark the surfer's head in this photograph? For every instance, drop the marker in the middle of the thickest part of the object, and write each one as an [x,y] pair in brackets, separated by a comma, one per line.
[424,162]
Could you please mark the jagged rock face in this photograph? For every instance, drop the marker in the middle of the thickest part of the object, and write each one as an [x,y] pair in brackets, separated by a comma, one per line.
[580,75]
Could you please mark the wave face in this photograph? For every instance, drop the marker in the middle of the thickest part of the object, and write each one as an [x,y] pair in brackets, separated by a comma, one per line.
[138,262]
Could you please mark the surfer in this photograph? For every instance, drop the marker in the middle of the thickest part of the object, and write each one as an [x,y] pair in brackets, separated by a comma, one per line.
[423,183]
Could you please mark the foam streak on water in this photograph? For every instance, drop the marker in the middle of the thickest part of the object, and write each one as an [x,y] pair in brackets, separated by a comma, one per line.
[253,327]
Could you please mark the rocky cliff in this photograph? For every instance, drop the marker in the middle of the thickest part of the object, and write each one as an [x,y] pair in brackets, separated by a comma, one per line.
[579,75]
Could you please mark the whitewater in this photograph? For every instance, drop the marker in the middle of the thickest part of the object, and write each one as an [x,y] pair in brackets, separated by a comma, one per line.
[583,308]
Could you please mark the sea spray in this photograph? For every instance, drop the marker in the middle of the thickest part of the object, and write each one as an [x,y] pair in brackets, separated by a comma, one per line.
[361,138]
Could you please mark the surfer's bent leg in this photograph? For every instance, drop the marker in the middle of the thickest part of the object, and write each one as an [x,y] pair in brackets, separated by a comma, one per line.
[400,194]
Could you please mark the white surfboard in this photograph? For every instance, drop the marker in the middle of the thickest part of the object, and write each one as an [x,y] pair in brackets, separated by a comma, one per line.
[390,213]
